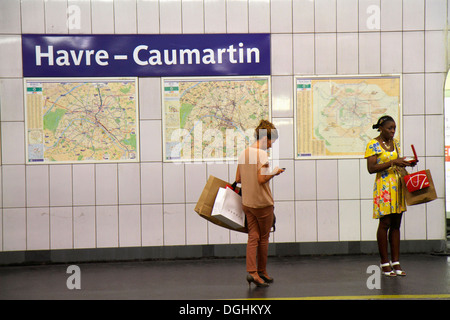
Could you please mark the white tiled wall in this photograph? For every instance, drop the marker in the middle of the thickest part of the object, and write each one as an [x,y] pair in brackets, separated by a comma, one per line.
[151,203]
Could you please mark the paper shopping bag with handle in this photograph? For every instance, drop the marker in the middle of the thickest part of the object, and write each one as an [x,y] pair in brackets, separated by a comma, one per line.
[421,195]
[206,201]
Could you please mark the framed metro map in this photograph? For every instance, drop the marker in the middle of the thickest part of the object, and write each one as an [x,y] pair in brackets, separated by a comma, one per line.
[334,114]
[212,118]
[81,120]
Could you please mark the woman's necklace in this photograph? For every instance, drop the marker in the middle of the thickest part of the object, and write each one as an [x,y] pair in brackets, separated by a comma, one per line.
[387,145]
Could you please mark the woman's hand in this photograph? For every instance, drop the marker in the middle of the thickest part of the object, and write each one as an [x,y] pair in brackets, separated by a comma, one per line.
[401,162]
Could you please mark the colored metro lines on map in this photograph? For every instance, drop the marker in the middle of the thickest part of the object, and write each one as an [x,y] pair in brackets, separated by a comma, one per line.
[81,120]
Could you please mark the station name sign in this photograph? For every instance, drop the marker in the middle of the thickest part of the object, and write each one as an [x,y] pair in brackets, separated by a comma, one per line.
[145,55]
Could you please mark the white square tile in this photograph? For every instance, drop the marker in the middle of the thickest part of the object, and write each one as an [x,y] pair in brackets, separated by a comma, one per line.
[281,54]
[306,221]
[327,220]
[13,137]
[435,14]
[283,148]
[13,186]
[413,51]
[125,16]
[434,135]
[38,229]
[305,180]
[237,16]
[192,16]
[436,219]
[348,177]
[10,56]
[218,235]
[79,16]
[415,223]
[369,225]
[434,88]
[149,98]
[56,16]
[174,224]
[196,227]
[413,133]
[151,182]
[37,186]
[11,107]
[173,182]
[107,226]
[148,16]
[325,16]
[391,52]
[215,16]
[84,184]
[60,185]
[325,51]
[259,16]
[282,105]
[283,184]
[285,223]
[129,186]
[170,16]
[369,52]
[281,16]
[10,16]
[14,229]
[195,180]
[390,11]
[435,51]
[436,165]
[303,15]
[61,228]
[413,99]
[349,220]
[347,15]
[367,180]
[129,225]
[304,54]
[106,191]
[327,184]
[152,225]
[369,15]
[347,53]
[217,170]
[102,17]
[413,14]
[84,227]
[32,13]
[150,140]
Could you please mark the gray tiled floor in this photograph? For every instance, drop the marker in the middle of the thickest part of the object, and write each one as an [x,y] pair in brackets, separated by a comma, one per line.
[428,276]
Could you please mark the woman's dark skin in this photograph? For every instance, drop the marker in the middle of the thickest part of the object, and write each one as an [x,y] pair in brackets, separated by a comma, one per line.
[389,223]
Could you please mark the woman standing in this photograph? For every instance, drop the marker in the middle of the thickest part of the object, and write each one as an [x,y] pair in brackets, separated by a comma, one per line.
[383,158]
[257,201]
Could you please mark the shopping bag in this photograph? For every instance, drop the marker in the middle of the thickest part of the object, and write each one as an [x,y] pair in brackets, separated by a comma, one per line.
[422,195]
[416,181]
[206,201]
[228,208]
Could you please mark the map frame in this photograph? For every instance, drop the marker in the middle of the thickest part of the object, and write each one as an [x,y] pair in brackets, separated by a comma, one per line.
[27,80]
[360,155]
[206,78]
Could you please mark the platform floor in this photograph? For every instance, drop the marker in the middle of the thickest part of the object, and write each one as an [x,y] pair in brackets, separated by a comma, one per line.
[306,277]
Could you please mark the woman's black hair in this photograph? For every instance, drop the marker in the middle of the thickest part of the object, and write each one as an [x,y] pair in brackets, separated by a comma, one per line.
[381,121]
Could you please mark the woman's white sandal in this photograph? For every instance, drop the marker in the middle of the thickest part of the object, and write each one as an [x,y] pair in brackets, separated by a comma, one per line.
[391,273]
[399,272]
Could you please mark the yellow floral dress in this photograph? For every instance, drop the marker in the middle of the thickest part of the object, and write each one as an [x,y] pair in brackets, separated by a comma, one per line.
[386,198]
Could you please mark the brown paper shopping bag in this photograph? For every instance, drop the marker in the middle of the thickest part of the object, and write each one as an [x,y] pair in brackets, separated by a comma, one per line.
[206,201]
[423,195]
